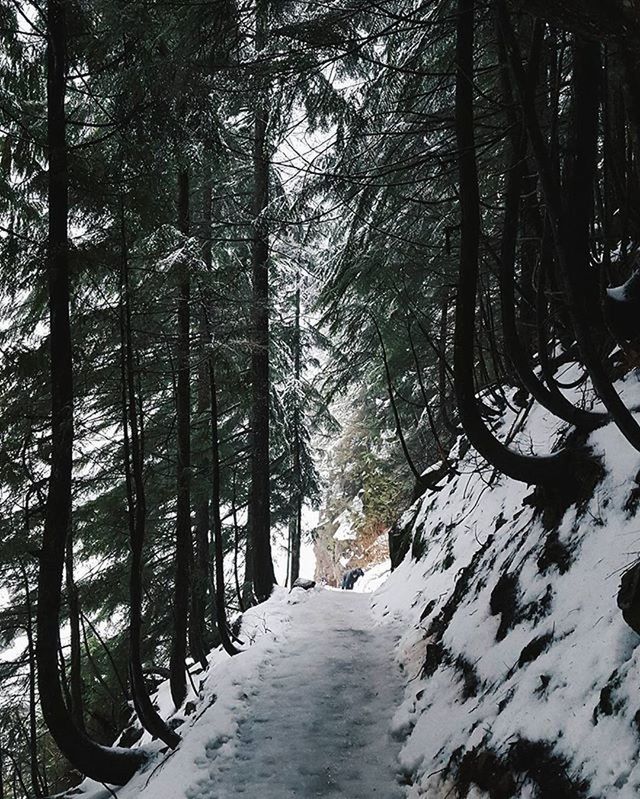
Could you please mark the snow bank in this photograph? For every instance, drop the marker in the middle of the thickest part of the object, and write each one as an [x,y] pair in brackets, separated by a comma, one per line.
[521,674]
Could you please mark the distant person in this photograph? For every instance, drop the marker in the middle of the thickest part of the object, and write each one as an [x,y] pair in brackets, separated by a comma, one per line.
[350,578]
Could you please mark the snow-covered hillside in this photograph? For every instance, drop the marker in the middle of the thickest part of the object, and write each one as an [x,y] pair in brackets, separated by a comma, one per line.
[522,677]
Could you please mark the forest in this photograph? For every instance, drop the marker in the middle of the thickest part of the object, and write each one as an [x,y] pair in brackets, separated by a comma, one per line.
[263,260]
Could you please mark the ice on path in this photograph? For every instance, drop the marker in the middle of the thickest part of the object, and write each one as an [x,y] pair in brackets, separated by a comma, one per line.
[317,724]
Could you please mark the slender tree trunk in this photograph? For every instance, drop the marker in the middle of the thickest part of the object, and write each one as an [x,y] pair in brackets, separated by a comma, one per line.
[259,510]
[441,449]
[394,407]
[33,723]
[201,566]
[236,543]
[202,557]
[296,494]
[442,371]
[137,509]
[96,670]
[45,785]
[221,603]
[75,663]
[248,597]
[178,679]
[570,223]
[528,469]
[100,763]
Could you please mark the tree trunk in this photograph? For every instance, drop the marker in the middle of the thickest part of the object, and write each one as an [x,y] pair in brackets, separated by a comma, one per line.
[394,407]
[295,522]
[100,763]
[550,398]
[33,723]
[200,592]
[570,222]
[177,666]
[528,469]
[137,509]
[449,424]
[221,605]
[236,543]
[75,663]
[259,511]
[248,597]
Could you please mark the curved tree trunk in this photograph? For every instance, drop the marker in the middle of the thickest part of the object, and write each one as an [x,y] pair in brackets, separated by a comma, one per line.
[554,401]
[137,512]
[75,660]
[98,762]
[528,469]
[570,223]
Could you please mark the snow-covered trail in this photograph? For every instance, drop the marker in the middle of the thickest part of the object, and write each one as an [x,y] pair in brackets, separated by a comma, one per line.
[317,723]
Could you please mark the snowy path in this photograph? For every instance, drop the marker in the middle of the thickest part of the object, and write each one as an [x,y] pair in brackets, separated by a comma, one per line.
[317,723]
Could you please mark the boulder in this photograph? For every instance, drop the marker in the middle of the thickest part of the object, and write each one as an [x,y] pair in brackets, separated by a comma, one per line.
[304,583]
[629,597]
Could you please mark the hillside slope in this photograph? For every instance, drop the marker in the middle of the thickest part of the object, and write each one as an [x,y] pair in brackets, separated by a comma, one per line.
[522,677]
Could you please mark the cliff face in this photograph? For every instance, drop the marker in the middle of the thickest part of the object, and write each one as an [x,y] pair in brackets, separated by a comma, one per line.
[348,541]
[365,489]
[522,676]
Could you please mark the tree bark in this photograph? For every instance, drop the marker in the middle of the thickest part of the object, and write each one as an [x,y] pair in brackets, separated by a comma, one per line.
[221,603]
[549,398]
[525,468]
[295,521]
[200,582]
[137,509]
[75,662]
[570,223]
[33,723]
[177,665]
[236,543]
[259,509]
[100,763]
[443,393]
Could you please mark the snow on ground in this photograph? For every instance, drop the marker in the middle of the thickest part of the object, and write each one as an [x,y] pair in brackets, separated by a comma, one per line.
[304,712]
[520,676]
[535,674]
[373,578]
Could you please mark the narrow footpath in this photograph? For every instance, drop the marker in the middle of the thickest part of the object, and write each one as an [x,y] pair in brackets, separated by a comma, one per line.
[317,723]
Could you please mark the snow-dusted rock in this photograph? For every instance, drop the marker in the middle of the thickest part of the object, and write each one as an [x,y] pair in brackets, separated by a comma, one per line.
[304,583]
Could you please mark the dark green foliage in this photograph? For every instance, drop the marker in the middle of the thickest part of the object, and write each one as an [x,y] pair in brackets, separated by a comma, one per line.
[365,223]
